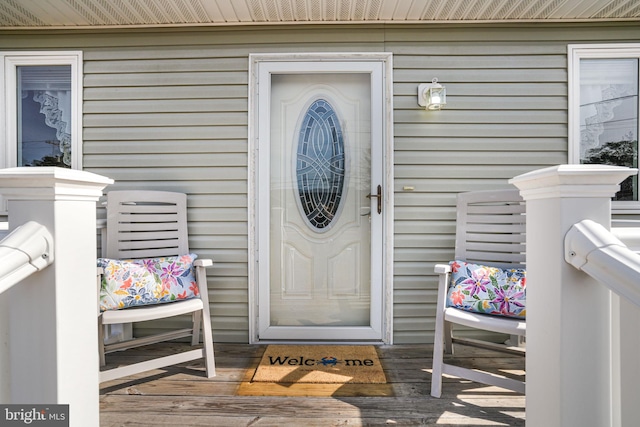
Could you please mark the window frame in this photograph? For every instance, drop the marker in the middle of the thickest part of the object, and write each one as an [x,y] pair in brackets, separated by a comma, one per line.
[576,52]
[8,92]
[9,61]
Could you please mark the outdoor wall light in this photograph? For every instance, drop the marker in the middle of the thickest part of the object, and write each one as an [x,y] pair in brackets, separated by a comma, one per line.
[432,95]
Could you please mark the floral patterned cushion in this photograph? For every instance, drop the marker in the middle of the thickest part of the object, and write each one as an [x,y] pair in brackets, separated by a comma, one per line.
[128,283]
[486,289]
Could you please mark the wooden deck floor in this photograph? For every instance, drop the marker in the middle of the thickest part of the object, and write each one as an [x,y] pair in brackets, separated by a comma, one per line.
[182,396]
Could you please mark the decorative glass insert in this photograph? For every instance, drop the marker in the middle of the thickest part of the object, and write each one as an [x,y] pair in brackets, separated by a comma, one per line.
[320,165]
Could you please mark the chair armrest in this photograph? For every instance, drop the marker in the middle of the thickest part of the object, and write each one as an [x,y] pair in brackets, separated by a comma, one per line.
[99,271]
[203,262]
[444,275]
[201,277]
[442,268]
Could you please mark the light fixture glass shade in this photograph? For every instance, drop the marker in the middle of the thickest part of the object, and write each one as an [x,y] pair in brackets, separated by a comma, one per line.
[432,95]
[437,97]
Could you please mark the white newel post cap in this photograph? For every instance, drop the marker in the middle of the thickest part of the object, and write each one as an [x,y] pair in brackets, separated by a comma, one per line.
[51,183]
[572,181]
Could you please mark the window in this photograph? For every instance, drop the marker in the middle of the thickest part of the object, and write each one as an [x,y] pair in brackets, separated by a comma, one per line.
[42,109]
[603,107]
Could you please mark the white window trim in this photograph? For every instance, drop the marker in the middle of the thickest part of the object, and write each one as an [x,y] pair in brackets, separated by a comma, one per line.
[8,113]
[576,52]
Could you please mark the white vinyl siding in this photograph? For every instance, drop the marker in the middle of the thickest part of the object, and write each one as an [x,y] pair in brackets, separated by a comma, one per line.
[169,110]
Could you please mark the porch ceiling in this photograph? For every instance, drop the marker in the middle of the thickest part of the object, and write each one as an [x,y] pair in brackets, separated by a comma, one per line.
[20,14]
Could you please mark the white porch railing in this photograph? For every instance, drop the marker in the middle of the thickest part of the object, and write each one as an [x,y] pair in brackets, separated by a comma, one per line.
[29,248]
[48,321]
[582,341]
[592,248]
[582,352]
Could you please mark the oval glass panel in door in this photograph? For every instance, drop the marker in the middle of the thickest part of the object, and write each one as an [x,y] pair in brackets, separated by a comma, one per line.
[320,165]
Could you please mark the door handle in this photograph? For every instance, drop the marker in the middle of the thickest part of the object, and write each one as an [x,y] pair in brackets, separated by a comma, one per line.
[377,196]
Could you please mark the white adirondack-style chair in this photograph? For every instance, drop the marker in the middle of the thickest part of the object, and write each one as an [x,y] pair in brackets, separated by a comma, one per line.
[150,225]
[490,230]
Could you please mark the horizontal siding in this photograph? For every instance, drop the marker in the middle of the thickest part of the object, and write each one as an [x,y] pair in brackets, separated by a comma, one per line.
[167,92]
[168,110]
[177,118]
[506,114]
[161,121]
[179,105]
[167,119]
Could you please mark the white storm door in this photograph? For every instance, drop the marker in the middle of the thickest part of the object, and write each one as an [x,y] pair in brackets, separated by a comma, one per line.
[320,208]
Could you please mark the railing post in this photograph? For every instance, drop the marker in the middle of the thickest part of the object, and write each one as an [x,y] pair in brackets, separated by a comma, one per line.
[52,314]
[569,378]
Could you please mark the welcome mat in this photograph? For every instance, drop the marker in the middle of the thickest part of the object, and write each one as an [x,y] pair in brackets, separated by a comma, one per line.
[317,370]
[320,365]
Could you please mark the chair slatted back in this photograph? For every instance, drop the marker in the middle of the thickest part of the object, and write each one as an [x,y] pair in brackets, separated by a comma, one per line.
[146,224]
[491,228]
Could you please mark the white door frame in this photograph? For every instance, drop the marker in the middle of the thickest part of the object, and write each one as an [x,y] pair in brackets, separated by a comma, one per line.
[257,64]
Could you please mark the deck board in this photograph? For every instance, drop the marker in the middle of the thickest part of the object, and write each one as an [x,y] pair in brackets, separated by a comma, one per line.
[181,395]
